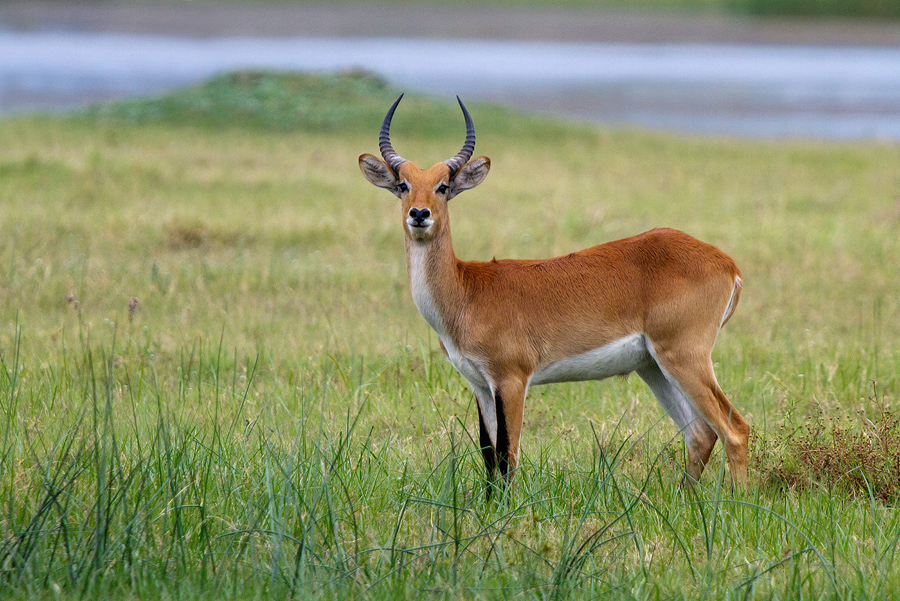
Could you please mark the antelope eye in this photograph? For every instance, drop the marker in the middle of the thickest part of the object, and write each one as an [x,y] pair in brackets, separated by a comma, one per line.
[442,189]
[403,187]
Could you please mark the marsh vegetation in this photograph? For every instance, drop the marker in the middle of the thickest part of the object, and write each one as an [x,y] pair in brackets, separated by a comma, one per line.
[215,384]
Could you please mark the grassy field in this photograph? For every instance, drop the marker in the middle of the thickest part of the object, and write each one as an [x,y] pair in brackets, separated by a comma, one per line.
[215,383]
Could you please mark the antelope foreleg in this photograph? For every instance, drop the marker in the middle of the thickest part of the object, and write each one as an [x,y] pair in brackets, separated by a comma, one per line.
[509,399]
[488,453]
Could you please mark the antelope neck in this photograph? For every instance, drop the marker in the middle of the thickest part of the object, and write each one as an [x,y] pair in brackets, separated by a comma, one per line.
[434,281]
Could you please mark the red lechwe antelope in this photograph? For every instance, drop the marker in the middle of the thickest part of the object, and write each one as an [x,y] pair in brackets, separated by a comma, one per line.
[651,304]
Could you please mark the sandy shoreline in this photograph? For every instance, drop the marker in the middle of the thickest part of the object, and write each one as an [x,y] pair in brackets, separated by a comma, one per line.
[209,19]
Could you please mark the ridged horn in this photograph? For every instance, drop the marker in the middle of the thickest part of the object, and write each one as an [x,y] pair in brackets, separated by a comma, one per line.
[468,148]
[392,159]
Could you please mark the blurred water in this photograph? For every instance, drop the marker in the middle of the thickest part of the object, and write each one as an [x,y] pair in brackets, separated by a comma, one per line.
[823,92]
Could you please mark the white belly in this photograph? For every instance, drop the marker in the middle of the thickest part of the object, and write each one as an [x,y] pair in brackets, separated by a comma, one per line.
[617,358]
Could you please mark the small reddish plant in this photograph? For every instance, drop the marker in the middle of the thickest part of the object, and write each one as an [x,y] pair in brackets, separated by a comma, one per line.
[861,455]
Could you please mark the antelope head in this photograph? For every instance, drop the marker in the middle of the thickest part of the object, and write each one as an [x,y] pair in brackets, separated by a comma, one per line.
[424,192]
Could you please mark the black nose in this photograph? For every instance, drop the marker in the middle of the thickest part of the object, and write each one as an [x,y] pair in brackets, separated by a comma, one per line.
[419,214]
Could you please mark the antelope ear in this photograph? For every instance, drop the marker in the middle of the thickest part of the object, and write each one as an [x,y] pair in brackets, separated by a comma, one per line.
[378,173]
[470,175]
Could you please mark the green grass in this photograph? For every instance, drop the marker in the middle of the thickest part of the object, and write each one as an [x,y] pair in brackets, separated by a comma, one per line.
[271,417]
[872,9]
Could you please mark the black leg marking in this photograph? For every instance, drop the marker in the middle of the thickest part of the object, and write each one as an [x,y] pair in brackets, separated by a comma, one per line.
[488,453]
[502,438]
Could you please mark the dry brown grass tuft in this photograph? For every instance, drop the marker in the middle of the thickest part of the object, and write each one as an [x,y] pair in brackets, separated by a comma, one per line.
[186,235]
[835,452]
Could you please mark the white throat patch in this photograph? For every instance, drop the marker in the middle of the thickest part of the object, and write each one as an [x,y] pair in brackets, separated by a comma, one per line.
[418,283]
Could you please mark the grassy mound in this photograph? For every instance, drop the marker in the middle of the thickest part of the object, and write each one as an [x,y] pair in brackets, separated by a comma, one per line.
[262,100]
[346,102]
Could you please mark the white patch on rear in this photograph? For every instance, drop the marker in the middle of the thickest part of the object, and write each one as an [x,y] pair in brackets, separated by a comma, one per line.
[616,358]
[730,307]
[470,367]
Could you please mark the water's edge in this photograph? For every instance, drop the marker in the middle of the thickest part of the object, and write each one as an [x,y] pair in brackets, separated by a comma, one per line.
[745,90]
